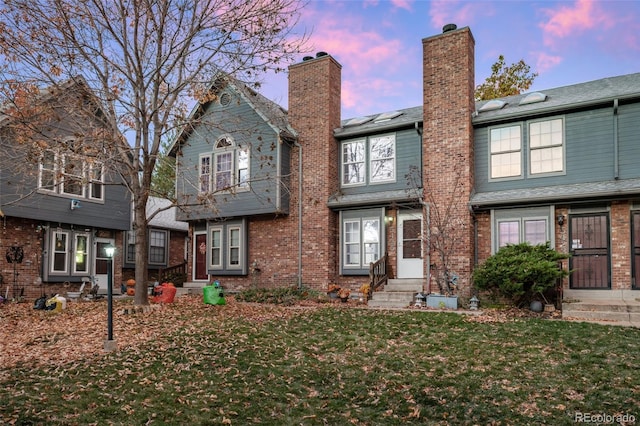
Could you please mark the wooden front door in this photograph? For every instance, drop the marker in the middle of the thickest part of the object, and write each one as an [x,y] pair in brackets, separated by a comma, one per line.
[590,252]
[200,257]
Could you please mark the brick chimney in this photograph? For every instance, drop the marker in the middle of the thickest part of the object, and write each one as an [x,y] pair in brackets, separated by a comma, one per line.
[448,89]
[314,112]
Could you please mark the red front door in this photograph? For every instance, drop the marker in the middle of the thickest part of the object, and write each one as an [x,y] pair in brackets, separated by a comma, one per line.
[200,257]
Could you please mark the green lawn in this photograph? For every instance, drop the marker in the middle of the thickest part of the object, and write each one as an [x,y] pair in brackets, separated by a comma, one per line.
[338,366]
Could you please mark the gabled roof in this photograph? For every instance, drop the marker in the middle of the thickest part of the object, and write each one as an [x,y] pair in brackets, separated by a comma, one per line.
[273,114]
[165,219]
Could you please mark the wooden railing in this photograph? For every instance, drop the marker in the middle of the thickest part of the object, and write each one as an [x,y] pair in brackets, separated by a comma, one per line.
[176,269]
[378,273]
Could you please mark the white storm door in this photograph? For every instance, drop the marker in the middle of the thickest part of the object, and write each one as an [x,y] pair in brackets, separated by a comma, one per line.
[410,257]
[101,264]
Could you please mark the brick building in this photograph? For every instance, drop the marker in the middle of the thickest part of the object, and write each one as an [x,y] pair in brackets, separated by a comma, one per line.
[278,197]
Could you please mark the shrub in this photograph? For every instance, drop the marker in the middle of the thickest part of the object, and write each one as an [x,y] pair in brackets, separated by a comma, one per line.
[279,295]
[520,272]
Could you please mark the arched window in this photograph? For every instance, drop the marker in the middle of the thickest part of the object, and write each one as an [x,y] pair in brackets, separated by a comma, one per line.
[227,169]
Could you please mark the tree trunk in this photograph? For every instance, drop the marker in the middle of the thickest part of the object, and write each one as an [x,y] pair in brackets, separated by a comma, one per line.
[140,228]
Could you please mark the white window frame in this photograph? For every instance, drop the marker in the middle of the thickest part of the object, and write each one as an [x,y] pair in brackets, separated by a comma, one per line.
[504,150]
[386,158]
[204,173]
[72,176]
[44,170]
[549,141]
[349,163]
[236,159]
[522,217]
[213,262]
[362,244]
[237,247]
[55,251]
[356,243]
[96,182]
[86,254]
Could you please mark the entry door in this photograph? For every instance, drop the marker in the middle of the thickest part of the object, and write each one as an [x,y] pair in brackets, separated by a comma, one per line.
[410,260]
[589,261]
[200,257]
[101,264]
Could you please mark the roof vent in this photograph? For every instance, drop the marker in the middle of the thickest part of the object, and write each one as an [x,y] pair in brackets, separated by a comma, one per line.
[321,54]
[307,58]
[449,27]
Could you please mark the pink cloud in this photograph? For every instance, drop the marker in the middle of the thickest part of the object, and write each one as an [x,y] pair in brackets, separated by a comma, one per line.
[402,4]
[571,21]
[544,62]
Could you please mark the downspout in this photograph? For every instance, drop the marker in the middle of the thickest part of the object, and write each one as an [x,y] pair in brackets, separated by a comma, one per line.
[616,160]
[295,143]
[426,213]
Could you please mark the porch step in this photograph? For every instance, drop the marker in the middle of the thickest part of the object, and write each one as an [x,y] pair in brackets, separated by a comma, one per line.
[191,287]
[607,311]
[397,293]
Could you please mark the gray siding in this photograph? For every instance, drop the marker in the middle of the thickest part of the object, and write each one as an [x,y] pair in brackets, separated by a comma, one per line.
[114,212]
[589,150]
[246,127]
[408,155]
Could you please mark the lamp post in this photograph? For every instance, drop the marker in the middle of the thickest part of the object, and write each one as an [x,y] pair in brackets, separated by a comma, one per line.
[109,344]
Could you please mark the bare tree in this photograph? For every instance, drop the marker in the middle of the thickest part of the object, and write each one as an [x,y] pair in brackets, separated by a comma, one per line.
[145,60]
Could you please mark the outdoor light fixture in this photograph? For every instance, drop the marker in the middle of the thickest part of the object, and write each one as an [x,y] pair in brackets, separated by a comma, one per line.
[109,344]
[473,303]
[560,219]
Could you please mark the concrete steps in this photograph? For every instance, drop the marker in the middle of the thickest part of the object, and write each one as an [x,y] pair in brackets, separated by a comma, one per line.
[397,293]
[191,287]
[607,311]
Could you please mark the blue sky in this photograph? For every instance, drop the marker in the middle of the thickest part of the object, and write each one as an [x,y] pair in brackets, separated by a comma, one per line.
[379,43]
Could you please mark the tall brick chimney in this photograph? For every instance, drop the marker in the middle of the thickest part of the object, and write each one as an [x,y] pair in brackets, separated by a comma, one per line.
[448,89]
[314,112]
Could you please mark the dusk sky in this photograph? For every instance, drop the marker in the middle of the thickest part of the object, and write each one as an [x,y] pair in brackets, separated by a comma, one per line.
[379,43]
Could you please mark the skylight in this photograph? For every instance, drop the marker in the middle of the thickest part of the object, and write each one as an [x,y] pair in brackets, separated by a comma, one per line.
[492,105]
[388,116]
[357,121]
[533,97]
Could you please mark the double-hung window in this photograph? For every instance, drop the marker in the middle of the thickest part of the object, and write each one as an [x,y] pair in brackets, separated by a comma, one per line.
[60,250]
[515,226]
[226,169]
[353,165]
[81,258]
[158,247]
[361,239]
[228,248]
[546,150]
[505,152]
[383,158]
[71,174]
[373,159]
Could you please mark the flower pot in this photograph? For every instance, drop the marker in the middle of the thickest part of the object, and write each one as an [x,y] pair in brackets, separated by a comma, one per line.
[440,301]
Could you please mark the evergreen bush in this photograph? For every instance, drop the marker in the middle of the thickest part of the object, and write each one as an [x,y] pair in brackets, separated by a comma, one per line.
[520,272]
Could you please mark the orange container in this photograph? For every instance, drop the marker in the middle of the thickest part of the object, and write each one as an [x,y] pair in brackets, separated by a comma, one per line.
[165,293]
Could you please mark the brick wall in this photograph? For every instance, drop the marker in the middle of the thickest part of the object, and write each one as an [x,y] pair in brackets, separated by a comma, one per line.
[25,233]
[620,245]
[314,111]
[448,87]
